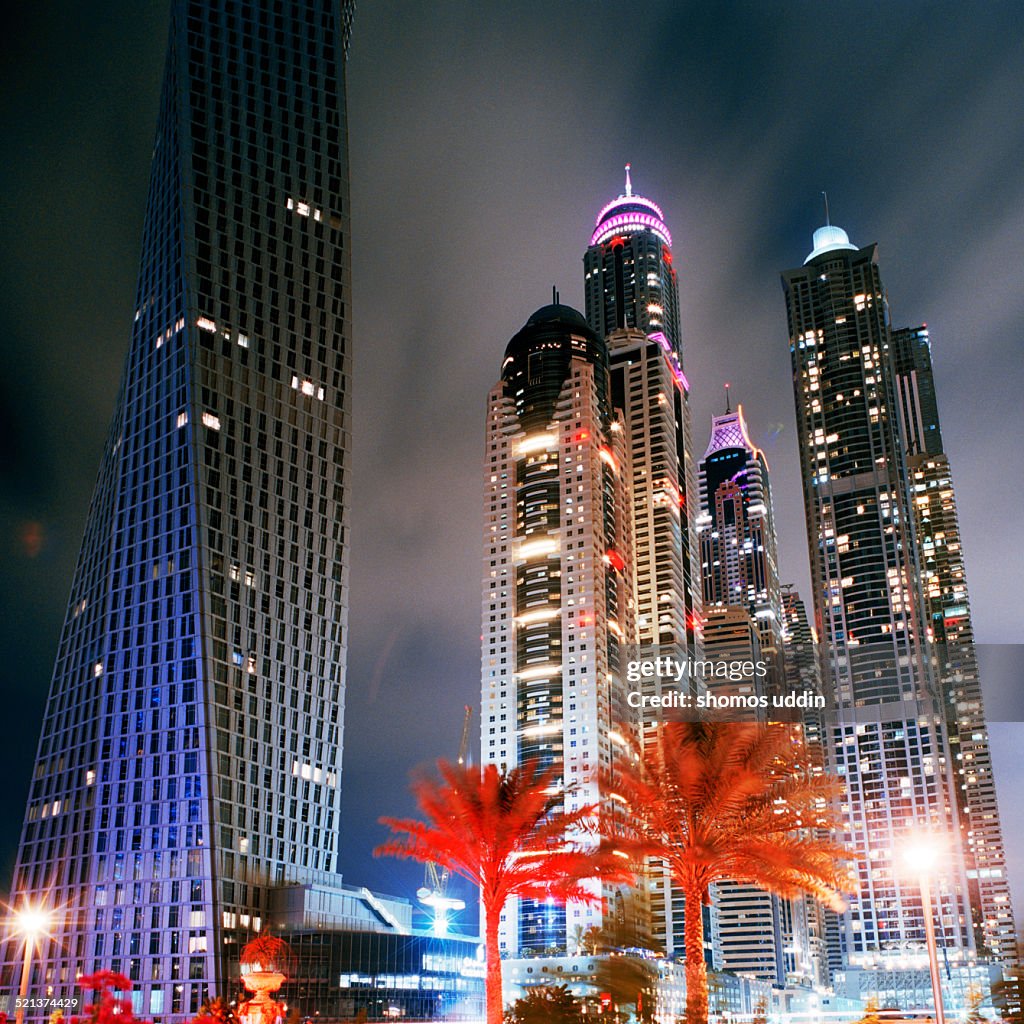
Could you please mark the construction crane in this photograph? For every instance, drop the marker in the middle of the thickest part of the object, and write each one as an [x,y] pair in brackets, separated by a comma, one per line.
[434,891]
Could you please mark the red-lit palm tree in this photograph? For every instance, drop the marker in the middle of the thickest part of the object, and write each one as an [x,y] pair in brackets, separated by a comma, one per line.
[729,800]
[507,833]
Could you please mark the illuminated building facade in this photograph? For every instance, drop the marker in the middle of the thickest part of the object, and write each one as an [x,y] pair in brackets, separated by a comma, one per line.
[628,275]
[742,623]
[632,300]
[736,531]
[557,580]
[948,617]
[887,738]
[190,753]
[748,920]
[811,931]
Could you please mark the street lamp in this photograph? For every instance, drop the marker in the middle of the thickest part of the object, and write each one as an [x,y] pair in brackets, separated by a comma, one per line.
[920,856]
[33,922]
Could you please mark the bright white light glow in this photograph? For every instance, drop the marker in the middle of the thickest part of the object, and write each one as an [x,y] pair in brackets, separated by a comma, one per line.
[920,852]
[536,443]
[539,671]
[33,921]
[533,548]
[538,615]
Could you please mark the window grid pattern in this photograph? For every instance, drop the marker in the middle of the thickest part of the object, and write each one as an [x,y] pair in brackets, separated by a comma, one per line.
[191,749]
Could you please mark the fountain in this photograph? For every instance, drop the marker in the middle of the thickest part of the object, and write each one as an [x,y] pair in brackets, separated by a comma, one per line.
[265,963]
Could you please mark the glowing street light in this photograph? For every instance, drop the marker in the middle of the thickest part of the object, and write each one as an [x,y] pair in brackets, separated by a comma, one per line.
[33,922]
[920,855]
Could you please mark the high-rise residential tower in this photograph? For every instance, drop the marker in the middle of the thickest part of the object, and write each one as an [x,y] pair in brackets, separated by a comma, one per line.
[812,930]
[557,582]
[736,531]
[632,299]
[948,617]
[629,278]
[887,738]
[742,622]
[191,748]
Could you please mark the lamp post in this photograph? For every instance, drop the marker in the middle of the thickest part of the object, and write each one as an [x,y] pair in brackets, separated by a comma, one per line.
[32,922]
[920,857]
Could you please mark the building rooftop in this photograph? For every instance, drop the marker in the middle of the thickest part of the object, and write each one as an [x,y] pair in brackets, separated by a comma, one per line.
[829,238]
[629,213]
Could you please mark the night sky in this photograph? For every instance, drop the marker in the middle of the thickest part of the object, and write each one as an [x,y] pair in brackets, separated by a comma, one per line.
[484,139]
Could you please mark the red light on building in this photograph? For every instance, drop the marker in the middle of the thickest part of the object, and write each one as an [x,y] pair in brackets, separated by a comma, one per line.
[616,559]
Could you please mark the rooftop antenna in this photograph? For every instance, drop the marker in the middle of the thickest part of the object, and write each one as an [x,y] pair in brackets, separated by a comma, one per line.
[728,406]
[629,184]
[828,221]
[554,296]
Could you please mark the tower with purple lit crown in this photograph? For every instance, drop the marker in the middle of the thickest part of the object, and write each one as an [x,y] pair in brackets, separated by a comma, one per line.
[190,753]
[736,531]
[632,300]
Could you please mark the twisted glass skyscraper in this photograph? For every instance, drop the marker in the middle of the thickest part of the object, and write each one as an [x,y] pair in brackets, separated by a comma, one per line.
[190,753]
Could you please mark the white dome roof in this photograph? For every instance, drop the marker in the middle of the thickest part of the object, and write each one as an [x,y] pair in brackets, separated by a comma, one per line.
[828,239]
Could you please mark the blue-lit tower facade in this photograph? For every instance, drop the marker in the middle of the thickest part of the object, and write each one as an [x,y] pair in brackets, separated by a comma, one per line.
[190,753]
[887,738]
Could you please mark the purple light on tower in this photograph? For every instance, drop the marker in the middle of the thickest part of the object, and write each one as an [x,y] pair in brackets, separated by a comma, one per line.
[631,221]
[670,357]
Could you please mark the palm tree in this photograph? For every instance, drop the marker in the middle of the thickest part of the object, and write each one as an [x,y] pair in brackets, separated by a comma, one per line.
[728,800]
[505,832]
[546,1005]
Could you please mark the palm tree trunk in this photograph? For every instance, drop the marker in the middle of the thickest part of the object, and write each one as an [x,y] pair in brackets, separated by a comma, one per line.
[696,968]
[492,953]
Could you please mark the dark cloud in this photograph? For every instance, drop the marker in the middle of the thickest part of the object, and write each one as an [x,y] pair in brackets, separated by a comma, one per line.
[484,138]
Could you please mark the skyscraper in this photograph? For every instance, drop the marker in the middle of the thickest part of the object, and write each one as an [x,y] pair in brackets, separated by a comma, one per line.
[812,930]
[948,617]
[736,530]
[742,622]
[190,752]
[632,300]
[629,278]
[557,605]
[888,736]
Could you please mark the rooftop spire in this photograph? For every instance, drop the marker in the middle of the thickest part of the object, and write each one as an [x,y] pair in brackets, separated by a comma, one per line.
[828,221]
[629,184]
[728,406]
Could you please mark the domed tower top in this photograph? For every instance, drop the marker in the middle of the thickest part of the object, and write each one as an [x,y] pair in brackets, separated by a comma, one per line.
[628,213]
[538,361]
[829,238]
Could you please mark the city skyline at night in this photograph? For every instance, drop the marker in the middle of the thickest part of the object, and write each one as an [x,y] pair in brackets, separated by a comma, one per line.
[470,273]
